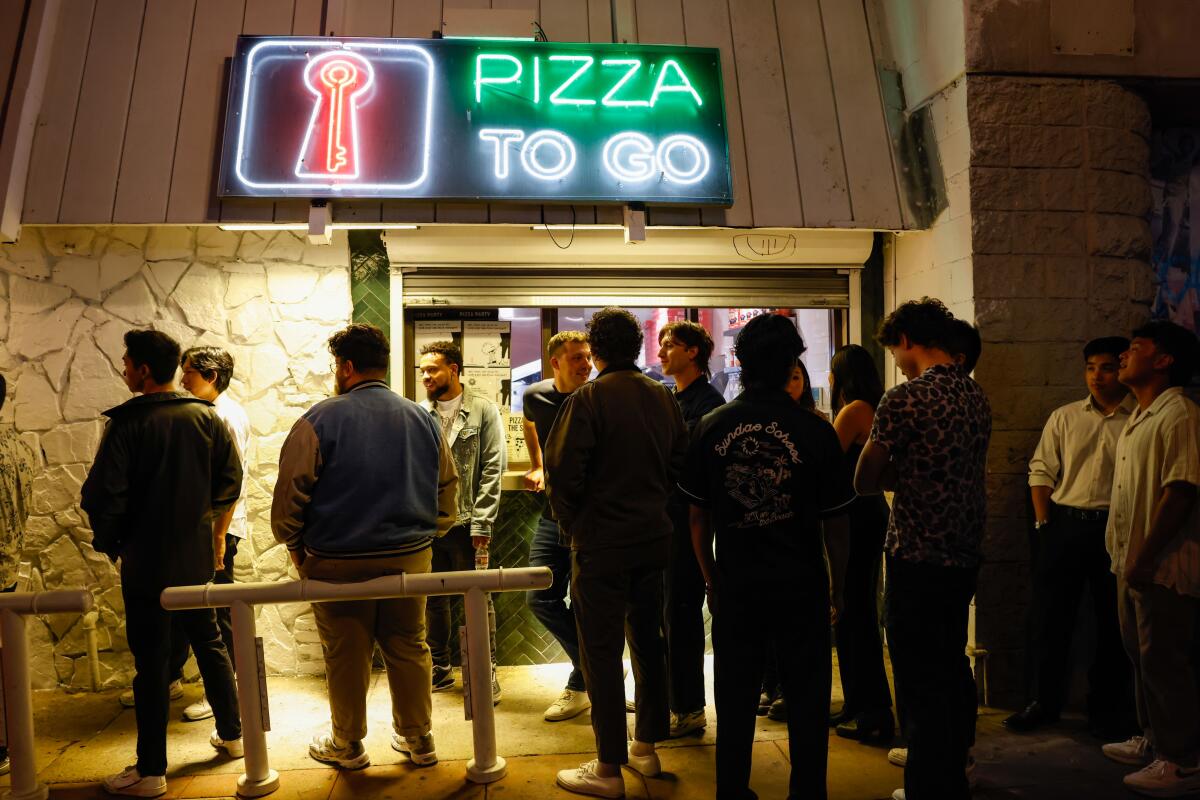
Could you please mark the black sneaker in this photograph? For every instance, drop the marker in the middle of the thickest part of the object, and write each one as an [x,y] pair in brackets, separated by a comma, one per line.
[443,678]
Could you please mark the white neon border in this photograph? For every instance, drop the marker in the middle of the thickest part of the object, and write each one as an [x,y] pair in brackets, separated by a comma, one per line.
[335,186]
[299,171]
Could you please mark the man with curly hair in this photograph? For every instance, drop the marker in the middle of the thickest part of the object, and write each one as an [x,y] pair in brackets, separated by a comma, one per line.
[611,461]
[929,444]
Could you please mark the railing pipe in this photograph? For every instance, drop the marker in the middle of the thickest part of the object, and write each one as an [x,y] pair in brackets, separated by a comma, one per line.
[259,779]
[212,595]
[18,698]
[486,766]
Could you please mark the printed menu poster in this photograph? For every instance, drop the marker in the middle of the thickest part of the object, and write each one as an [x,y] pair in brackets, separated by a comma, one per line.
[486,344]
[494,383]
[515,437]
[437,330]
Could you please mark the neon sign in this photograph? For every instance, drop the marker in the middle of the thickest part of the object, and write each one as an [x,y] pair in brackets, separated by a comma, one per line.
[475,120]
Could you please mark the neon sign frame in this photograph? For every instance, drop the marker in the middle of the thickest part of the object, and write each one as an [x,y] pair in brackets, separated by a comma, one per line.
[475,120]
[334,186]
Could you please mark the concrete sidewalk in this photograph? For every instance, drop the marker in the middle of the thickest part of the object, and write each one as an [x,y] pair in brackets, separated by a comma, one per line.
[82,737]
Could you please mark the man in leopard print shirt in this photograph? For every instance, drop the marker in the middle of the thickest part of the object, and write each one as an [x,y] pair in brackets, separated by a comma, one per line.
[929,445]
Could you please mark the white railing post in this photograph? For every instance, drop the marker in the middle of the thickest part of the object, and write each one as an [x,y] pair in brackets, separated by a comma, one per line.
[486,766]
[259,779]
[18,710]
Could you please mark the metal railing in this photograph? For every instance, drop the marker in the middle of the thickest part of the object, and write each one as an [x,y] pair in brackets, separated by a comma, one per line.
[259,779]
[17,696]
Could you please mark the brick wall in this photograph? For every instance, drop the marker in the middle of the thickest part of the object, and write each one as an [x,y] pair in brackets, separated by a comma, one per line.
[1059,196]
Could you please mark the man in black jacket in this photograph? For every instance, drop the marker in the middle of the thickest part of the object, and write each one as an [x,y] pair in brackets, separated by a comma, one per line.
[611,461]
[165,470]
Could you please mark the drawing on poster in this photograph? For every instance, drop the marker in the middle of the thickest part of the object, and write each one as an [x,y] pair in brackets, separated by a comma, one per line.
[486,344]
[494,383]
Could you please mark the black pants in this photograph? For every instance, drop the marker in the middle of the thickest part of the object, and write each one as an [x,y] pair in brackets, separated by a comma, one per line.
[148,626]
[451,553]
[179,640]
[684,624]
[617,596]
[859,646]
[550,605]
[797,629]
[1069,553]
[926,608]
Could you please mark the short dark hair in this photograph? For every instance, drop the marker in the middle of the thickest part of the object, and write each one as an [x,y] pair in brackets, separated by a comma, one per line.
[1106,346]
[451,352]
[855,377]
[1177,342]
[212,362]
[925,322]
[559,340]
[964,340]
[615,335]
[691,334]
[156,350]
[768,348]
[362,345]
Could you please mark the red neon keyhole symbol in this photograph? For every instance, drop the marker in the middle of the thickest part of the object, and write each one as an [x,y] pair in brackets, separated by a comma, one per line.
[338,79]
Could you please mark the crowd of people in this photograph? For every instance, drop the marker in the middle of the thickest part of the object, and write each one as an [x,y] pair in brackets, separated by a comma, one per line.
[660,500]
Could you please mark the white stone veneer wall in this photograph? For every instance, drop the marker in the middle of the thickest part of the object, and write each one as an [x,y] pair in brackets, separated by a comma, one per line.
[67,296]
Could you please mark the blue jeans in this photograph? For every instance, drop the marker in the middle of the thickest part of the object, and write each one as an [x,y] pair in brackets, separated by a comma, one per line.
[549,605]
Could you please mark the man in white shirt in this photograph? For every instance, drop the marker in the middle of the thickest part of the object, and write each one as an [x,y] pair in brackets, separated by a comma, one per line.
[206,374]
[1070,480]
[1153,538]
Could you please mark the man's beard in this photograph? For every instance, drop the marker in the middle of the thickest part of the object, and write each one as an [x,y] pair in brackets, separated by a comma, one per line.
[435,393]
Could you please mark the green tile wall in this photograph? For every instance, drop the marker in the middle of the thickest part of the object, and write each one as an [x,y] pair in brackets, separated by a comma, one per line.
[370,280]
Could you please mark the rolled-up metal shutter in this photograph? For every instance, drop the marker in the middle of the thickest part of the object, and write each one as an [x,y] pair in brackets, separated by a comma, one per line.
[658,286]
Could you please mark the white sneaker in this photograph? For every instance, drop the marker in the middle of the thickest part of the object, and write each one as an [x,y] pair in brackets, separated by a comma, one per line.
[898,794]
[1164,779]
[419,749]
[584,780]
[5,766]
[898,756]
[1137,751]
[198,711]
[352,755]
[233,747]
[571,703]
[684,724]
[131,783]
[649,765]
[176,692]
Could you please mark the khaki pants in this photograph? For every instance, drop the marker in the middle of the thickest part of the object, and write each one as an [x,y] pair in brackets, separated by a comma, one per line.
[349,631]
[1158,626]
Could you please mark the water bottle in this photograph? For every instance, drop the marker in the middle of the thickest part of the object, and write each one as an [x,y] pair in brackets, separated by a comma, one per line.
[481,557]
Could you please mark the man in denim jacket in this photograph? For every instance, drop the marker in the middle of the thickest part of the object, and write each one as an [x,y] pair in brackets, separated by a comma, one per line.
[471,424]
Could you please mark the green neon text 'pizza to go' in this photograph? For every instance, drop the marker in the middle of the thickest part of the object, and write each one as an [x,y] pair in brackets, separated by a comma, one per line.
[582,80]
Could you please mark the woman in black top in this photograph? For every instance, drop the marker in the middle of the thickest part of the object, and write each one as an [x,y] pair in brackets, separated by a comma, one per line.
[867,713]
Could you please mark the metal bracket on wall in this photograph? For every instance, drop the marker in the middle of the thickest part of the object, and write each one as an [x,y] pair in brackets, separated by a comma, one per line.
[320,222]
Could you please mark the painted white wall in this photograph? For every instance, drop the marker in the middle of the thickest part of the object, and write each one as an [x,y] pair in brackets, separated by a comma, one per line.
[67,296]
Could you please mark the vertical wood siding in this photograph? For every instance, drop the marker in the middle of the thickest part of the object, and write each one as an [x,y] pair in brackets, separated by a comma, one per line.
[130,127]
